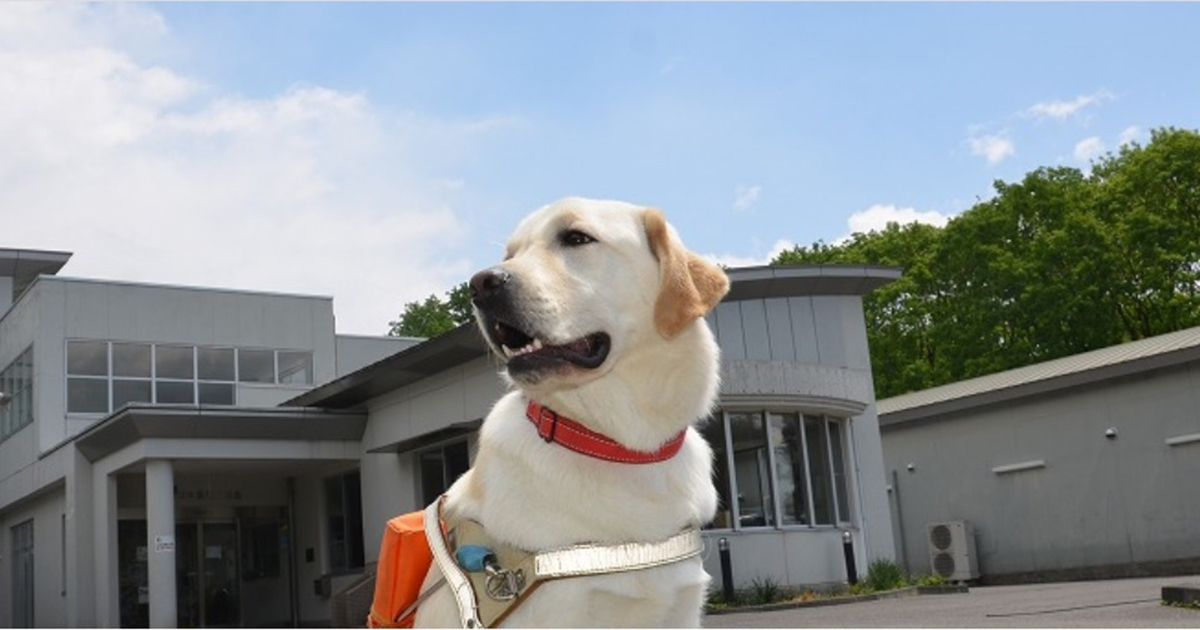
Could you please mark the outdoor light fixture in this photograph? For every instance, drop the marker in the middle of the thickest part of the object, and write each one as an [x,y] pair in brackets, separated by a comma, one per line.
[1111,433]
[911,467]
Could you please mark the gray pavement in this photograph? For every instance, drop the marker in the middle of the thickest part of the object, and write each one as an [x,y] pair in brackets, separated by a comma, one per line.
[1133,603]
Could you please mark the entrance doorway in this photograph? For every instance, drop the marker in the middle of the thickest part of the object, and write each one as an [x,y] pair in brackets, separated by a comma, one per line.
[207,586]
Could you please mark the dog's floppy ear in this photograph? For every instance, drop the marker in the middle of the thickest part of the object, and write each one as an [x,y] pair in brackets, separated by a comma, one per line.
[690,285]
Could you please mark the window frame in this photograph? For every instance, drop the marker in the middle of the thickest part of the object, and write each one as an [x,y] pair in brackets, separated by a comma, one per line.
[440,448]
[843,516]
[154,380]
[18,412]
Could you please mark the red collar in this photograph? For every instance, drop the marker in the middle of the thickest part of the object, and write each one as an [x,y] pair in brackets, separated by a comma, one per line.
[569,433]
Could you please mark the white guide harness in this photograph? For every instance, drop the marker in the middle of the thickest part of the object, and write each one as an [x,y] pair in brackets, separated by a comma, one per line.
[498,578]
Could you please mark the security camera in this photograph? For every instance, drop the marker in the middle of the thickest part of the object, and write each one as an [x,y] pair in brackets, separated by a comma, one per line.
[1111,433]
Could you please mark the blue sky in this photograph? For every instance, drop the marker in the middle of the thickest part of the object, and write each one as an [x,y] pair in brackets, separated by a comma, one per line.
[378,152]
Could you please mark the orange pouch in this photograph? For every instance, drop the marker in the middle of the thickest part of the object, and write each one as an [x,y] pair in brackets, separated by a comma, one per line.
[404,559]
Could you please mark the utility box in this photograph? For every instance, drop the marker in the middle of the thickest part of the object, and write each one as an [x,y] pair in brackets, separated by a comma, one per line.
[952,550]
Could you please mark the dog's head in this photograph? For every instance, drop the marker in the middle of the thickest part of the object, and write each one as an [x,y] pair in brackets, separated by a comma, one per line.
[586,285]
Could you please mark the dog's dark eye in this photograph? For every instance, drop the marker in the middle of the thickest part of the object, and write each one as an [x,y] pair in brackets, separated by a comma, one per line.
[575,238]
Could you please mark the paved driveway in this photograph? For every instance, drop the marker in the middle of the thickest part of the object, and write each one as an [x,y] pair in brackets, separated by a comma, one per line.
[1097,604]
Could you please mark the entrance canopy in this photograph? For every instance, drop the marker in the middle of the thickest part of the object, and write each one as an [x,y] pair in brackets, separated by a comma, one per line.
[140,421]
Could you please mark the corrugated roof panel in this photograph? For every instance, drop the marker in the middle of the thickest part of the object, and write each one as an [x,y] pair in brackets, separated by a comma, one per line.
[1075,364]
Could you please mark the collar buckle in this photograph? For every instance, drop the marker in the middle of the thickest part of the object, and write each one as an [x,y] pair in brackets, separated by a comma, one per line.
[547,424]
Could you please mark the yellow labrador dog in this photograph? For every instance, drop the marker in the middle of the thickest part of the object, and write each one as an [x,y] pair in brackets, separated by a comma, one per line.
[597,312]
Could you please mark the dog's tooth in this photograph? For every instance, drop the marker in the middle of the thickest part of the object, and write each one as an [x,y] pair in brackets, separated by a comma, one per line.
[536,345]
[508,352]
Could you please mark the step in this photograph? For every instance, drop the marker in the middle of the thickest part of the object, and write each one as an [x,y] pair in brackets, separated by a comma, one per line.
[1181,595]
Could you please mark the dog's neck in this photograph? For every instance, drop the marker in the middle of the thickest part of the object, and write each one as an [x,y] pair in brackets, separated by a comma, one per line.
[632,404]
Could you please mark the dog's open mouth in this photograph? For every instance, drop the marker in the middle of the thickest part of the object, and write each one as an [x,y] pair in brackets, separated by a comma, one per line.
[525,352]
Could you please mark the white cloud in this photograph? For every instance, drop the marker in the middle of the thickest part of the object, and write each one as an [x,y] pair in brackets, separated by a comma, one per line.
[874,218]
[1061,110]
[878,216]
[745,197]
[149,175]
[1130,134]
[1089,148]
[994,147]
[737,260]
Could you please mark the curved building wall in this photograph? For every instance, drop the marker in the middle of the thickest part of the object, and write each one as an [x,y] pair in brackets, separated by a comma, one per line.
[786,362]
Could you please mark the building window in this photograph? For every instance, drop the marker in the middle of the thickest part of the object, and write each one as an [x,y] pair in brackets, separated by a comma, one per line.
[440,467]
[256,366]
[16,394]
[22,575]
[295,368]
[216,370]
[343,503]
[790,469]
[751,469]
[784,468]
[103,376]
[713,430]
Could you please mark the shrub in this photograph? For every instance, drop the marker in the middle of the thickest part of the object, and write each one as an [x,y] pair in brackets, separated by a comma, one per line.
[764,591]
[884,575]
[930,580]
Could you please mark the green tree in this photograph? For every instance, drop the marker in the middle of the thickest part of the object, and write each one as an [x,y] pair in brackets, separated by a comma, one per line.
[1150,198]
[1022,277]
[1056,264]
[434,316]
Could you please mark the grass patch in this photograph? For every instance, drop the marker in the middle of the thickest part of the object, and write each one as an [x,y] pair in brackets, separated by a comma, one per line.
[882,575]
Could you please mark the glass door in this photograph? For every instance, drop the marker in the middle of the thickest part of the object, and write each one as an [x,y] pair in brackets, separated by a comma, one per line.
[206,568]
[220,588]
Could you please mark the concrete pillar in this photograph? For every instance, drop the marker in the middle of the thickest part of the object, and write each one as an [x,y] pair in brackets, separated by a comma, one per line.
[104,509]
[160,535]
[81,561]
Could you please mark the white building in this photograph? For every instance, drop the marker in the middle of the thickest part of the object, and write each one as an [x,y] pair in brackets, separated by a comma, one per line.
[149,475]
[145,473]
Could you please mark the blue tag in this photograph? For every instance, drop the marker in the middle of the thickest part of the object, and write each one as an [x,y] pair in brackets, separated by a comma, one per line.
[474,558]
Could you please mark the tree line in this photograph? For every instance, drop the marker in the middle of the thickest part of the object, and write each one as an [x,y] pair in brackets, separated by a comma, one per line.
[1059,263]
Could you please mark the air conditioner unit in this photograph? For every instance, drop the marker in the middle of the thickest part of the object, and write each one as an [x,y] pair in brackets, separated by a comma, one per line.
[952,551]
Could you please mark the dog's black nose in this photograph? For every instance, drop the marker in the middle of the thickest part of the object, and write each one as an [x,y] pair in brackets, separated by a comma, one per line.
[487,283]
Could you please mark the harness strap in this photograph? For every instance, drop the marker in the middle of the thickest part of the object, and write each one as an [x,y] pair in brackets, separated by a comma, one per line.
[593,559]
[482,605]
[460,584]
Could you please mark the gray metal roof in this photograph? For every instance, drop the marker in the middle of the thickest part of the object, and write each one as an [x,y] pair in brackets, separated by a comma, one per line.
[750,283]
[1111,362]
